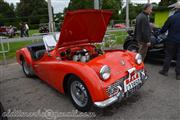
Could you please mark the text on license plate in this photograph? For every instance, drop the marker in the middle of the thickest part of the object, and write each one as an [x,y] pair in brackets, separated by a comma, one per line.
[131,82]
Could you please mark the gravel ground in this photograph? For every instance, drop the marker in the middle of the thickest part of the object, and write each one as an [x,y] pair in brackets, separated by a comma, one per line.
[158,99]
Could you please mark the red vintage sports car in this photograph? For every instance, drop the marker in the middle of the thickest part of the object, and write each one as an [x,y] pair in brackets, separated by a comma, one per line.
[74,66]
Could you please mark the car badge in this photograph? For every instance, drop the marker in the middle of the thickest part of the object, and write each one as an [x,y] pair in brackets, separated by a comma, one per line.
[122,62]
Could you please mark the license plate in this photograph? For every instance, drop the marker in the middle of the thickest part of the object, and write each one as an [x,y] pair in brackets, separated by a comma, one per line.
[132,82]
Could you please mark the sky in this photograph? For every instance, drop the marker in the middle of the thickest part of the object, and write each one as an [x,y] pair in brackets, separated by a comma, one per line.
[59,5]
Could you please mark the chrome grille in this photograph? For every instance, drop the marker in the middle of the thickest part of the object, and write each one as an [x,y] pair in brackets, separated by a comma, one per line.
[112,89]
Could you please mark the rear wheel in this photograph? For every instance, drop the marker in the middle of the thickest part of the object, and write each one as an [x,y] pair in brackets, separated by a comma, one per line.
[27,69]
[132,46]
[79,94]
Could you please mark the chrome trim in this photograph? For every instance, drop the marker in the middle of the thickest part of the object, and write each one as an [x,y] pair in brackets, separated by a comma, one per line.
[114,86]
[120,94]
[107,102]
[131,70]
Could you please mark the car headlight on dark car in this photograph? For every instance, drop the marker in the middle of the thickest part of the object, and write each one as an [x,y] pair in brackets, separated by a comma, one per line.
[105,72]
[138,59]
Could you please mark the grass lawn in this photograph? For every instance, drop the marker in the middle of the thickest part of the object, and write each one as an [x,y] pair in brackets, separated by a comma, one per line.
[13,47]
[17,45]
[31,32]
[117,37]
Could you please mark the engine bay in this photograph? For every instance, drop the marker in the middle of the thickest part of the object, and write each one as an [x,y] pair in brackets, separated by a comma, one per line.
[80,53]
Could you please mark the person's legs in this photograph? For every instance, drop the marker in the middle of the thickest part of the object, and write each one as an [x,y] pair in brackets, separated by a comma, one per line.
[178,61]
[27,33]
[170,50]
[143,48]
[21,33]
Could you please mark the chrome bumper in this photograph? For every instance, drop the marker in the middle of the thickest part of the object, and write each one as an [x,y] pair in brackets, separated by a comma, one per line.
[107,102]
[119,96]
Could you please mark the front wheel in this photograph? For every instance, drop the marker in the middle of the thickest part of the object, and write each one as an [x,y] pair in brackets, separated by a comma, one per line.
[79,94]
[27,69]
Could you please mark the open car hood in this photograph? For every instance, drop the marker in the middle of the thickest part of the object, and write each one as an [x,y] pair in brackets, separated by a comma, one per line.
[84,26]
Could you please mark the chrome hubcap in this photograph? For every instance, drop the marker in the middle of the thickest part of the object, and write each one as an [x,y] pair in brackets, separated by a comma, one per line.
[26,68]
[79,93]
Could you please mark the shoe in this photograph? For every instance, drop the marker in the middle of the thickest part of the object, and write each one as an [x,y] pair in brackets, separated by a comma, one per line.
[162,72]
[177,77]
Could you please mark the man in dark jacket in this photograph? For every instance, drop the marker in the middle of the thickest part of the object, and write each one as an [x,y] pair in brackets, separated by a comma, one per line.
[143,30]
[172,43]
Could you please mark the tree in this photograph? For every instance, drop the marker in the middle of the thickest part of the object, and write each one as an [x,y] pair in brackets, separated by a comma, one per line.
[166,3]
[114,5]
[80,4]
[134,9]
[32,11]
[6,13]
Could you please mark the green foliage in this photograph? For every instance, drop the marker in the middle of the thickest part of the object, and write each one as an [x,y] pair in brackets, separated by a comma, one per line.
[166,3]
[134,9]
[6,13]
[33,31]
[13,47]
[32,11]
[163,5]
[119,37]
[114,5]
[80,4]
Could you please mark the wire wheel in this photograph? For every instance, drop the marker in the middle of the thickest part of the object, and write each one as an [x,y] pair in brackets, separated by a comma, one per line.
[79,93]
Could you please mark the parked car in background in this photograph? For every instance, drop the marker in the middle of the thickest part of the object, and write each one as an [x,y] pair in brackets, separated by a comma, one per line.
[156,51]
[119,26]
[43,28]
[75,66]
[8,31]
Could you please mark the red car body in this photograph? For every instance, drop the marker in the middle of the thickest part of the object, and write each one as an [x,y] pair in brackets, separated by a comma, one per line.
[79,31]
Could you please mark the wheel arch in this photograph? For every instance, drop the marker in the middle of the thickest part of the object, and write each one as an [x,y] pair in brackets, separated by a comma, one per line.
[66,82]
[24,54]
[128,40]
[92,83]
[21,57]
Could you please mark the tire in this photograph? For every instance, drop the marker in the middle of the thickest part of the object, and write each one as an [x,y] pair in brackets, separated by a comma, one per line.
[79,94]
[132,46]
[27,69]
[1,113]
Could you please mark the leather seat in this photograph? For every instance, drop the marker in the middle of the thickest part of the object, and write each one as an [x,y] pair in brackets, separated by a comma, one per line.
[39,54]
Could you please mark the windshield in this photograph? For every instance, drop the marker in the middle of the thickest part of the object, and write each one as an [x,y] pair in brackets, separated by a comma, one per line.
[50,41]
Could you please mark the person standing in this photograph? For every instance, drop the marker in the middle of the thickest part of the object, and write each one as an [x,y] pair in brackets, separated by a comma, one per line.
[21,29]
[143,30]
[26,29]
[172,42]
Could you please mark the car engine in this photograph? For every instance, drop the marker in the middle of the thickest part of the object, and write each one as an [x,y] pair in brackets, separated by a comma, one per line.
[80,54]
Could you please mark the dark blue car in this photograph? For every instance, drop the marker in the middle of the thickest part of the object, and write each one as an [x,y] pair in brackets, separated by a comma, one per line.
[156,51]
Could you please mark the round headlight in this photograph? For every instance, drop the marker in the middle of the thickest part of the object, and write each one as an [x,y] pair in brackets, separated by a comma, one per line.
[138,59]
[105,72]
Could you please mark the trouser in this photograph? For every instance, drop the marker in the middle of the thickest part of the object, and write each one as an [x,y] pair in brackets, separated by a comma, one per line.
[172,50]
[27,33]
[143,48]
